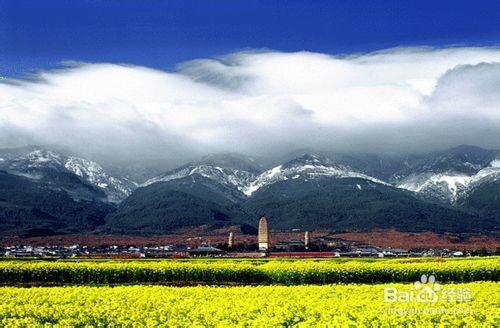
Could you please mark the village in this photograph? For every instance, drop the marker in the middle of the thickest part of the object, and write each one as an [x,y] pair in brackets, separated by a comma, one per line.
[306,247]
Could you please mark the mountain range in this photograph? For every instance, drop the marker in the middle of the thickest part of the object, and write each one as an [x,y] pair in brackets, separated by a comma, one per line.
[46,190]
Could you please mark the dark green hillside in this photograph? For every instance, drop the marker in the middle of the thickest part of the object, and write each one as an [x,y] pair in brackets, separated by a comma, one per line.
[485,199]
[353,204]
[30,204]
[166,206]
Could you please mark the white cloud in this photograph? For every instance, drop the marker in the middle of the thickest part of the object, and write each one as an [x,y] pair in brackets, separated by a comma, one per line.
[261,102]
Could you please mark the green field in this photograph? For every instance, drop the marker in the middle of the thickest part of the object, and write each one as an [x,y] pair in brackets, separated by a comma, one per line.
[250,293]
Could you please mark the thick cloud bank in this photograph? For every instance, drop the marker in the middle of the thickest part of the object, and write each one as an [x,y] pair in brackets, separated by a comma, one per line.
[408,99]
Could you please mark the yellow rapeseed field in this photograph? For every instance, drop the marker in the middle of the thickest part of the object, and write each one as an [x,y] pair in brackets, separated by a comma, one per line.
[351,305]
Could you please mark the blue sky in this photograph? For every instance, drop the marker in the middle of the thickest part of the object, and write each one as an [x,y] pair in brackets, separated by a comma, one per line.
[40,34]
[256,102]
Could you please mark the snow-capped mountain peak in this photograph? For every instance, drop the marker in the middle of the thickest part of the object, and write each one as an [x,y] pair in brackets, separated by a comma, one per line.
[227,176]
[116,189]
[42,158]
[305,167]
[230,170]
[36,163]
[450,186]
[445,186]
[489,173]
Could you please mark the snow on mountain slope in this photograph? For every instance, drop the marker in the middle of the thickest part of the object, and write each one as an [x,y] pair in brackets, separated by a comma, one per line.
[450,186]
[34,164]
[116,189]
[304,167]
[230,170]
[443,186]
[227,176]
[488,174]
[33,160]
